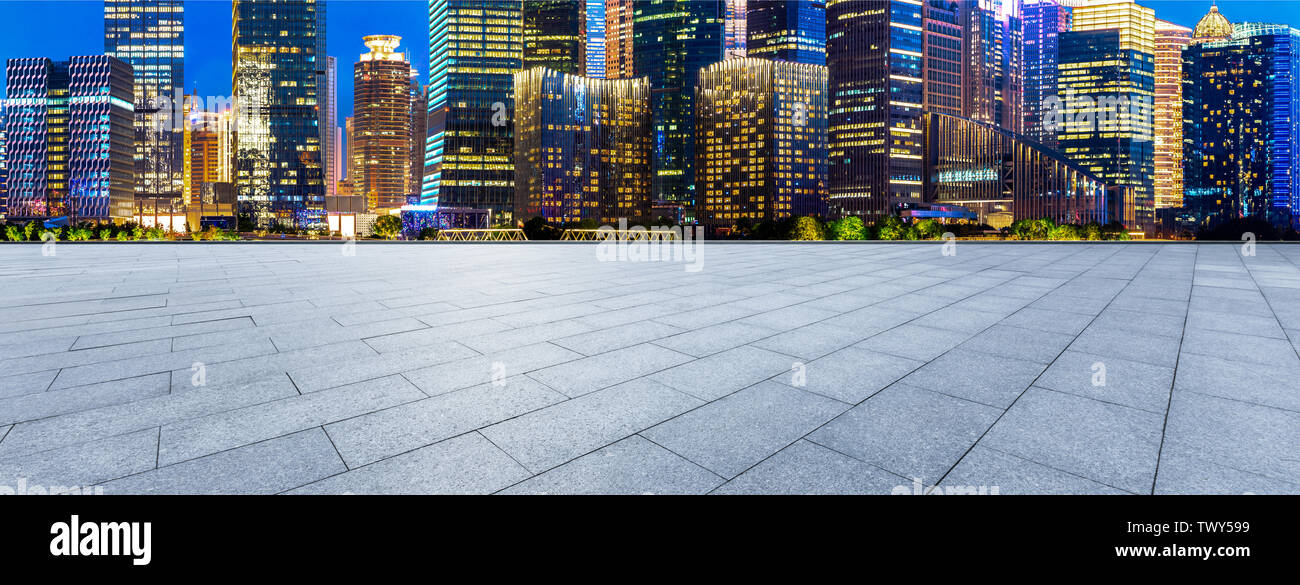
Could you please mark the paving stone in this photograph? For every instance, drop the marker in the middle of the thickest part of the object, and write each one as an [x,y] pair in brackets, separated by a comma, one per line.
[722,373]
[632,466]
[1249,437]
[468,464]
[731,434]
[808,469]
[976,376]
[990,470]
[851,374]
[593,373]
[1125,382]
[545,438]
[914,341]
[62,469]
[46,404]
[909,431]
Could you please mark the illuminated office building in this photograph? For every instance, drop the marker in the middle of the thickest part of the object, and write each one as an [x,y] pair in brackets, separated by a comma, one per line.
[760,141]
[149,35]
[874,54]
[475,47]
[944,50]
[582,147]
[673,40]
[1241,139]
[419,129]
[1003,177]
[994,72]
[381,114]
[70,129]
[1044,21]
[618,39]
[555,35]
[1214,26]
[735,31]
[4,167]
[1171,39]
[209,147]
[329,112]
[596,38]
[278,53]
[1106,80]
[788,30]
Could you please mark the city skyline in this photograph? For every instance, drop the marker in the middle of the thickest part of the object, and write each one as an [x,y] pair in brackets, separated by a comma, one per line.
[207,34]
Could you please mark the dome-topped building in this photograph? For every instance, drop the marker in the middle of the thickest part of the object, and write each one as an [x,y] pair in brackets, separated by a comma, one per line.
[1212,27]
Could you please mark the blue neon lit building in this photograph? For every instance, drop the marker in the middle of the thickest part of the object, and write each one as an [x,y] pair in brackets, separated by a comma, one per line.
[787,30]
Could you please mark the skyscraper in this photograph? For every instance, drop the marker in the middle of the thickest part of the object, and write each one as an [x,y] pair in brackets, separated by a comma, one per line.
[789,30]
[555,35]
[475,47]
[618,39]
[419,129]
[278,53]
[329,112]
[760,147]
[1044,21]
[1106,79]
[382,124]
[736,41]
[209,147]
[582,147]
[993,73]
[944,51]
[1171,39]
[1241,139]
[673,40]
[149,35]
[873,50]
[596,38]
[70,139]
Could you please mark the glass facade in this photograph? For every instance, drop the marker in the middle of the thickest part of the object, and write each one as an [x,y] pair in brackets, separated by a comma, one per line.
[209,148]
[1003,176]
[1171,39]
[789,30]
[279,156]
[1044,21]
[582,147]
[736,36]
[555,35]
[760,141]
[70,139]
[874,52]
[475,47]
[149,35]
[1239,131]
[618,39]
[381,117]
[1105,117]
[994,74]
[944,56]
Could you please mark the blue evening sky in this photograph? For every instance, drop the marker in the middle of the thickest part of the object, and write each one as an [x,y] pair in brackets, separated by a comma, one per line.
[60,28]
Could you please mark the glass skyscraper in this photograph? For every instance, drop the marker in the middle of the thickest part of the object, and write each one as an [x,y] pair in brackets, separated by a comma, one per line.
[874,53]
[382,124]
[149,35]
[278,60]
[789,30]
[1171,39]
[1106,80]
[70,139]
[475,47]
[1044,21]
[1240,127]
[555,35]
[672,41]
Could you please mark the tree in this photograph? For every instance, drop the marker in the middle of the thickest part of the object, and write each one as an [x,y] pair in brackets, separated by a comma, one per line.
[537,228]
[807,229]
[889,227]
[387,227]
[848,228]
[929,229]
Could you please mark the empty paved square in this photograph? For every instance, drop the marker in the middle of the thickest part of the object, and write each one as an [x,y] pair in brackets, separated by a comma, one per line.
[864,368]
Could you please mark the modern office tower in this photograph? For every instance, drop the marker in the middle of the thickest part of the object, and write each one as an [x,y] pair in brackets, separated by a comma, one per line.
[1241,141]
[4,167]
[618,39]
[1171,39]
[349,124]
[994,73]
[1003,176]
[71,139]
[381,114]
[149,35]
[329,112]
[673,40]
[596,38]
[475,47]
[873,50]
[1106,80]
[555,35]
[760,143]
[944,50]
[788,30]
[736,43]
[419,129]
[278,162]
[1044,21]
[582,147]
[209,147]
